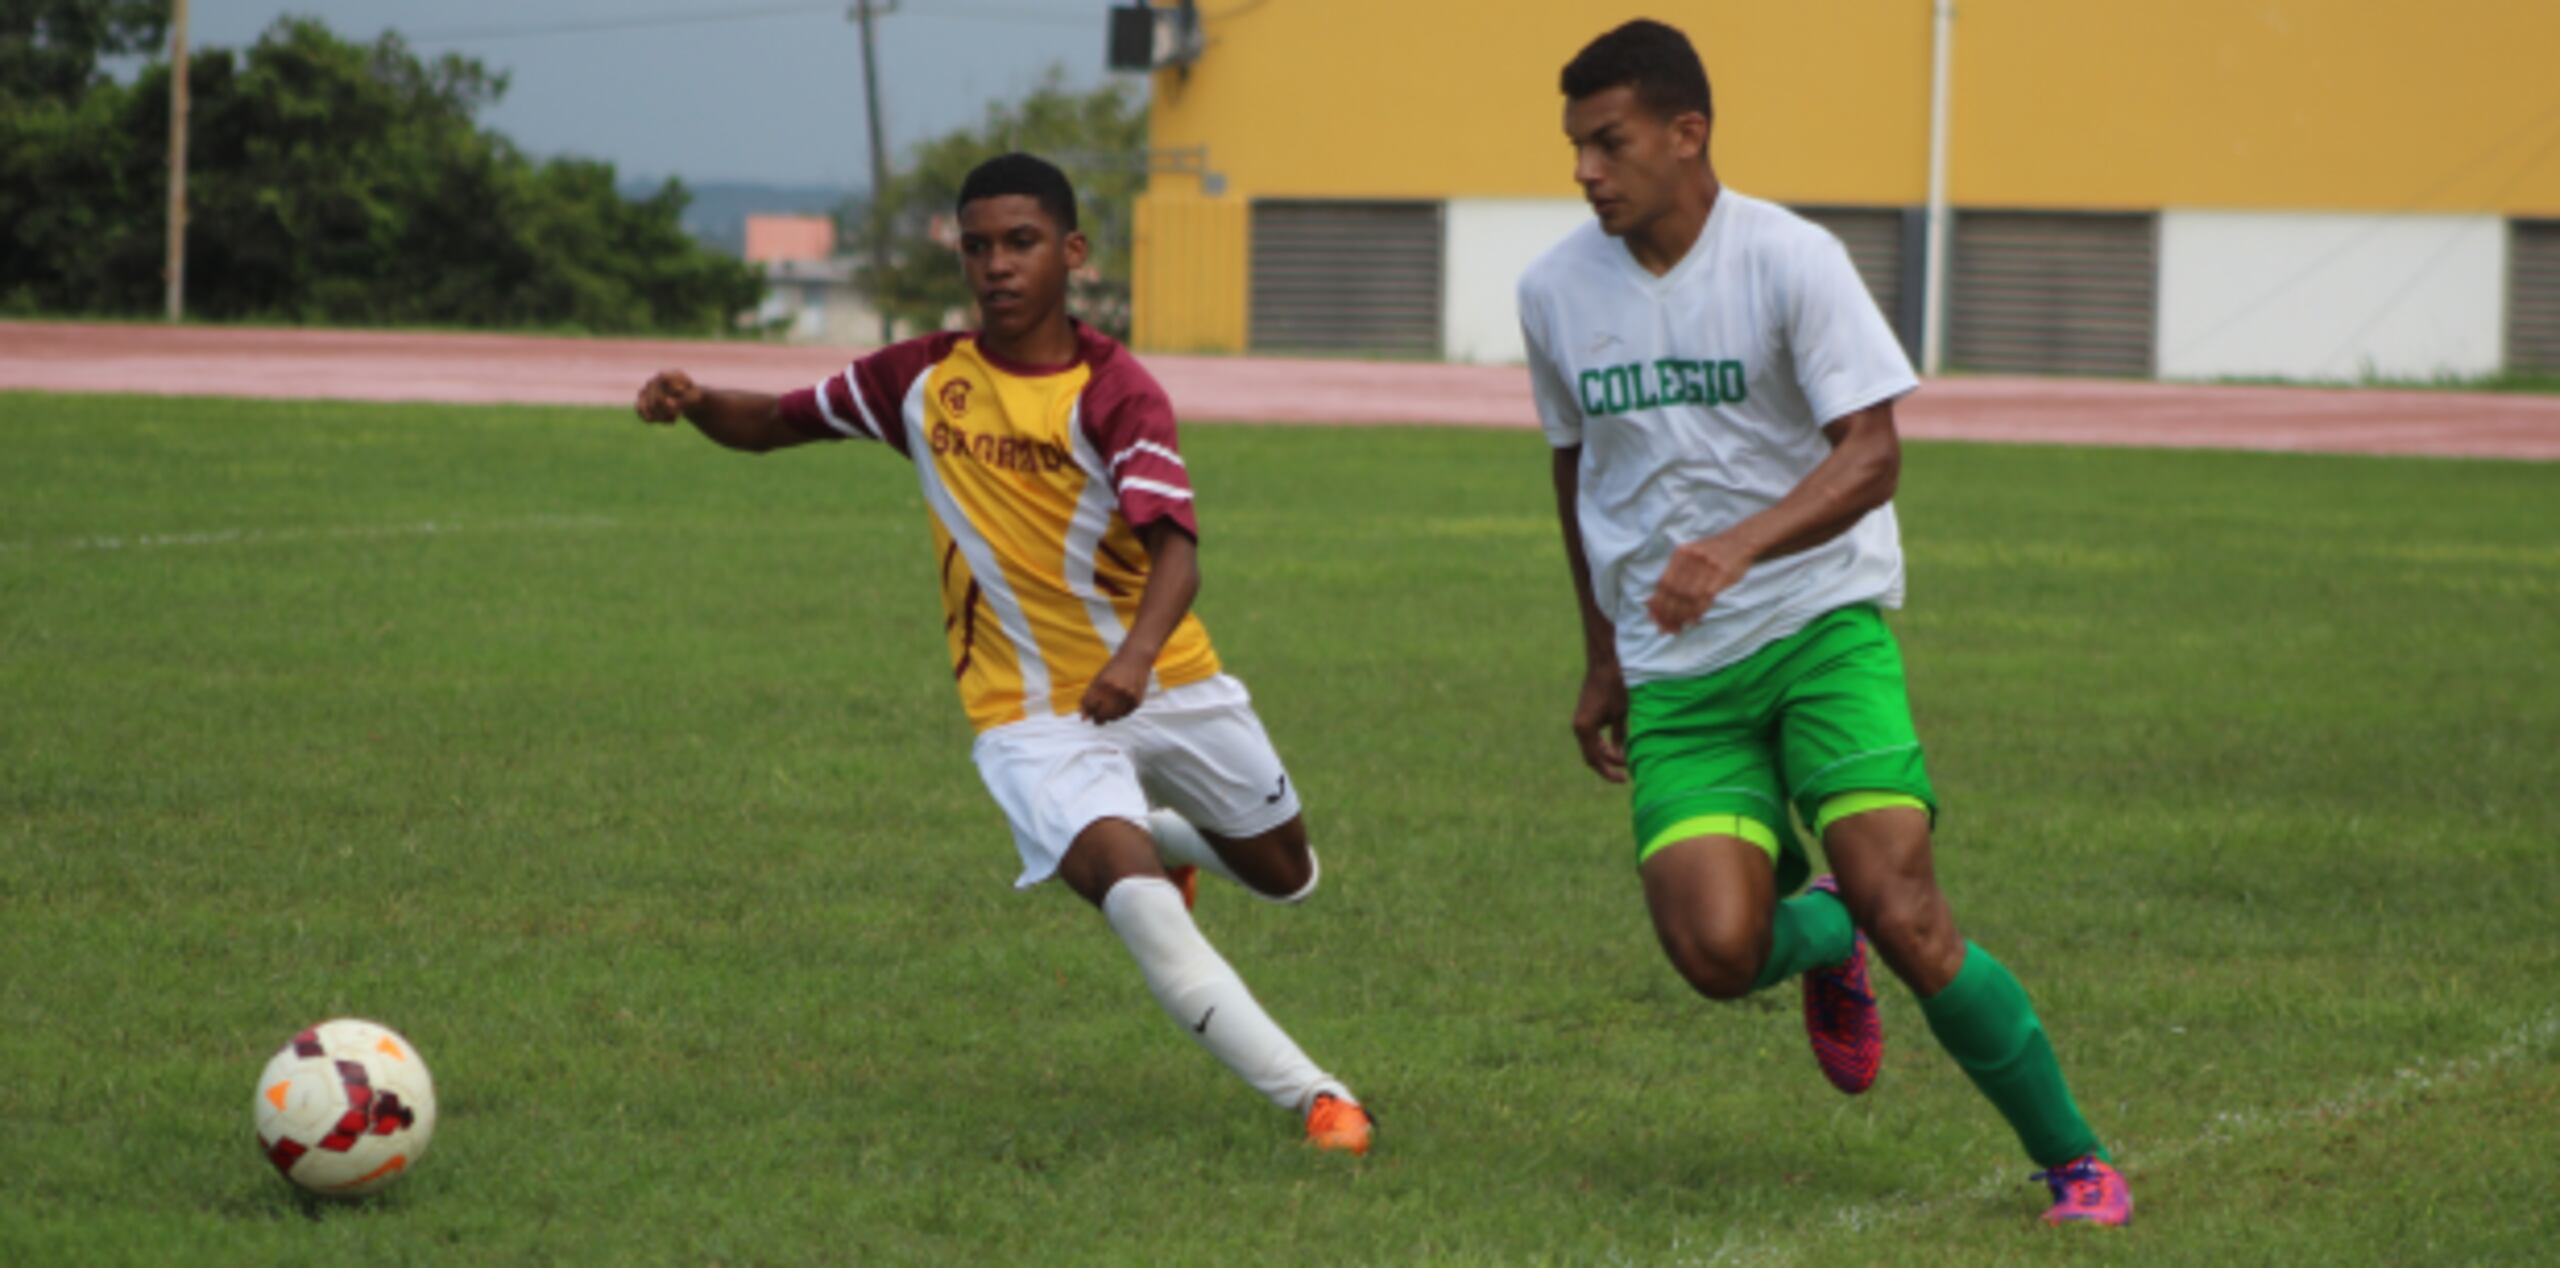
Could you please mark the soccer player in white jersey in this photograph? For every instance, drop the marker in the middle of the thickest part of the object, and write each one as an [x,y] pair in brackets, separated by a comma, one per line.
[1718,389]
[1064,535]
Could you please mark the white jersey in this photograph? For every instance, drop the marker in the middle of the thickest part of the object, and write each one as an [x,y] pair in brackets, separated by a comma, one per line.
[1699,399]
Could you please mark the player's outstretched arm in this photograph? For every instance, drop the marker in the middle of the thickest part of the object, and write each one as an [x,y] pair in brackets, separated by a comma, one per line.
[1173,580]
[1600,712]
[1858,476]
[750,422]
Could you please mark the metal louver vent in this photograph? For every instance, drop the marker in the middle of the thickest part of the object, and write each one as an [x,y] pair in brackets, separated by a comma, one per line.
[1346,277]
[2054,293]
[1874,236]
[2533,296]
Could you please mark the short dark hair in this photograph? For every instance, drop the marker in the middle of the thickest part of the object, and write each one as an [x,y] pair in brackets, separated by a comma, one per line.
[1028,175]
[1651,57]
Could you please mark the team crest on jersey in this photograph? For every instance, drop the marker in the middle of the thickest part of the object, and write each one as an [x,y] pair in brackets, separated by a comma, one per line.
[955,397]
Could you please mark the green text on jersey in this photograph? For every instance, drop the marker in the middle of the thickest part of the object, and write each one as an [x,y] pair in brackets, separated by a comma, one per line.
[1619,389]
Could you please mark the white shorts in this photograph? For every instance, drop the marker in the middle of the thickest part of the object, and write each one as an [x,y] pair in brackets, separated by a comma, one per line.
[1197,750]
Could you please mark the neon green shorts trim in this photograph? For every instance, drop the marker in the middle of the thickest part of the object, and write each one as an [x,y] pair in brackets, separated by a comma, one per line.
[1757,833]
[1751,830]
[1857,803]
[1817,723]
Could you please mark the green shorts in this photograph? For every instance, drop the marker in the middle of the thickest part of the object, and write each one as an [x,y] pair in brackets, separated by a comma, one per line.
[1816,716]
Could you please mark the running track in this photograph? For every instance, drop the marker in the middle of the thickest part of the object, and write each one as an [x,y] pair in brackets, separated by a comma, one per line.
[385,366]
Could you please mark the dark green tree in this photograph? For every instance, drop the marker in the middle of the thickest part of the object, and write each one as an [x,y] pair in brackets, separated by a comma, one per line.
[1099,138]
[49,49]
[341,183]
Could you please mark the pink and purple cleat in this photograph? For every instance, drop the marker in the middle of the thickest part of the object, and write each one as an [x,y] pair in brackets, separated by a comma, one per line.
[1840,1015]
[2087,1191]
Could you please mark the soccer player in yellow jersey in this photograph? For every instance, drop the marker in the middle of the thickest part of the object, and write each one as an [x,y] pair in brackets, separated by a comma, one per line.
[1067,546]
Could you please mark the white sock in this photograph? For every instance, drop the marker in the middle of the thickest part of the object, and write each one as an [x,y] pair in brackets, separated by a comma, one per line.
[1178,844]
[1205,997]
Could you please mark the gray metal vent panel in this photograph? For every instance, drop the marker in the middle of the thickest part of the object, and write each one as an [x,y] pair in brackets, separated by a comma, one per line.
[1346,277]
[2054,293]
[1874,238]
[2533,296]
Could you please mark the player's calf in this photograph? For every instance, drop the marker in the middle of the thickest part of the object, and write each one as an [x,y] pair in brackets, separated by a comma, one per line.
[1200,991]
[1915,931]
[1890,886]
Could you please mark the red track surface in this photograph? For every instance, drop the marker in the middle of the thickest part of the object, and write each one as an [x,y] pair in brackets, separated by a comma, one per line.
[377,366]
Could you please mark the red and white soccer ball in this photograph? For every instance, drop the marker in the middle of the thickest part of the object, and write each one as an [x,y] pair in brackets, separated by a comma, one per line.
[345,1108]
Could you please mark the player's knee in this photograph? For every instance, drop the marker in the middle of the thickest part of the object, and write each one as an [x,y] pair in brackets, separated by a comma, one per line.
[1289,839]
[1290,875]
[1275,864]
[1910,926]
[1718,968]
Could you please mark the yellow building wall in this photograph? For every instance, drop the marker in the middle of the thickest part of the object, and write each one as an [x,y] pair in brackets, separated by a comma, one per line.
[1188,273]
[1816,100]
[2367,105]
[2275,105]
[2328,105]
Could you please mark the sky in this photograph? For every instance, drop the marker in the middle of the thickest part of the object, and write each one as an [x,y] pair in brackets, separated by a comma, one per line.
[713,90]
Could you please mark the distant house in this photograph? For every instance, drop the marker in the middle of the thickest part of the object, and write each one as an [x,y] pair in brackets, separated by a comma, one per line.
[809,294]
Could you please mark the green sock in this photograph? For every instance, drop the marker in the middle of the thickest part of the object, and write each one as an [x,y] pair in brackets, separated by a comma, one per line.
[1984,1021]
[1809,931]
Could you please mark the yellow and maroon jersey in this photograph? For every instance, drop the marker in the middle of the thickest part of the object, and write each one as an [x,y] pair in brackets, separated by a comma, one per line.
[1038,478]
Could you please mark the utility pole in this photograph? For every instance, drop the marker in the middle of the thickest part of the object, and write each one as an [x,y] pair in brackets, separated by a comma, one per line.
[177,267]
[1933,284]
[862,12]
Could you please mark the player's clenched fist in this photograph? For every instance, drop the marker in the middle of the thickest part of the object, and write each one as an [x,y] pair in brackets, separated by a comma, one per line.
[1697,573]
[667,395]
[1116,692]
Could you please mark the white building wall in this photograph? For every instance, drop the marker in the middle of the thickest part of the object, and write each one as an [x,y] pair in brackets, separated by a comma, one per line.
[1489,242]
[2330,296]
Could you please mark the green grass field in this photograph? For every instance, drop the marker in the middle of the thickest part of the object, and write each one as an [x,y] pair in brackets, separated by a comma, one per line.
[625,776]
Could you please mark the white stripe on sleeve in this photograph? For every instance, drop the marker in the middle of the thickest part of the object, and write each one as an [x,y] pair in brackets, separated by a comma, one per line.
[853,388]
[827,411]
[1157,487]
[1137,447]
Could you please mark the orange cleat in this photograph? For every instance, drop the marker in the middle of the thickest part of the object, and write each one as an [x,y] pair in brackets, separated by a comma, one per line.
[1187,880]
[1335,1122]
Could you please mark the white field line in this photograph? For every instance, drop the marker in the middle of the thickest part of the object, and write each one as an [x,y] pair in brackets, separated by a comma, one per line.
[2227,1130]
[350,532]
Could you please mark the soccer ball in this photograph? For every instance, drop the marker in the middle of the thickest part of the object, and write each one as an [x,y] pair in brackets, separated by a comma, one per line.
[345,1108]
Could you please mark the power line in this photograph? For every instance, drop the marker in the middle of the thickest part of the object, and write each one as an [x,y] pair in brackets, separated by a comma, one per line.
[628,22]
[1011,14]
[1008,13]
[1233,11]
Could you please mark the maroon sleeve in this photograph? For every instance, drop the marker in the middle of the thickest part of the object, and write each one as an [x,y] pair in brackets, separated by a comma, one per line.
[1129,419]
[867,399]
[800,413]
